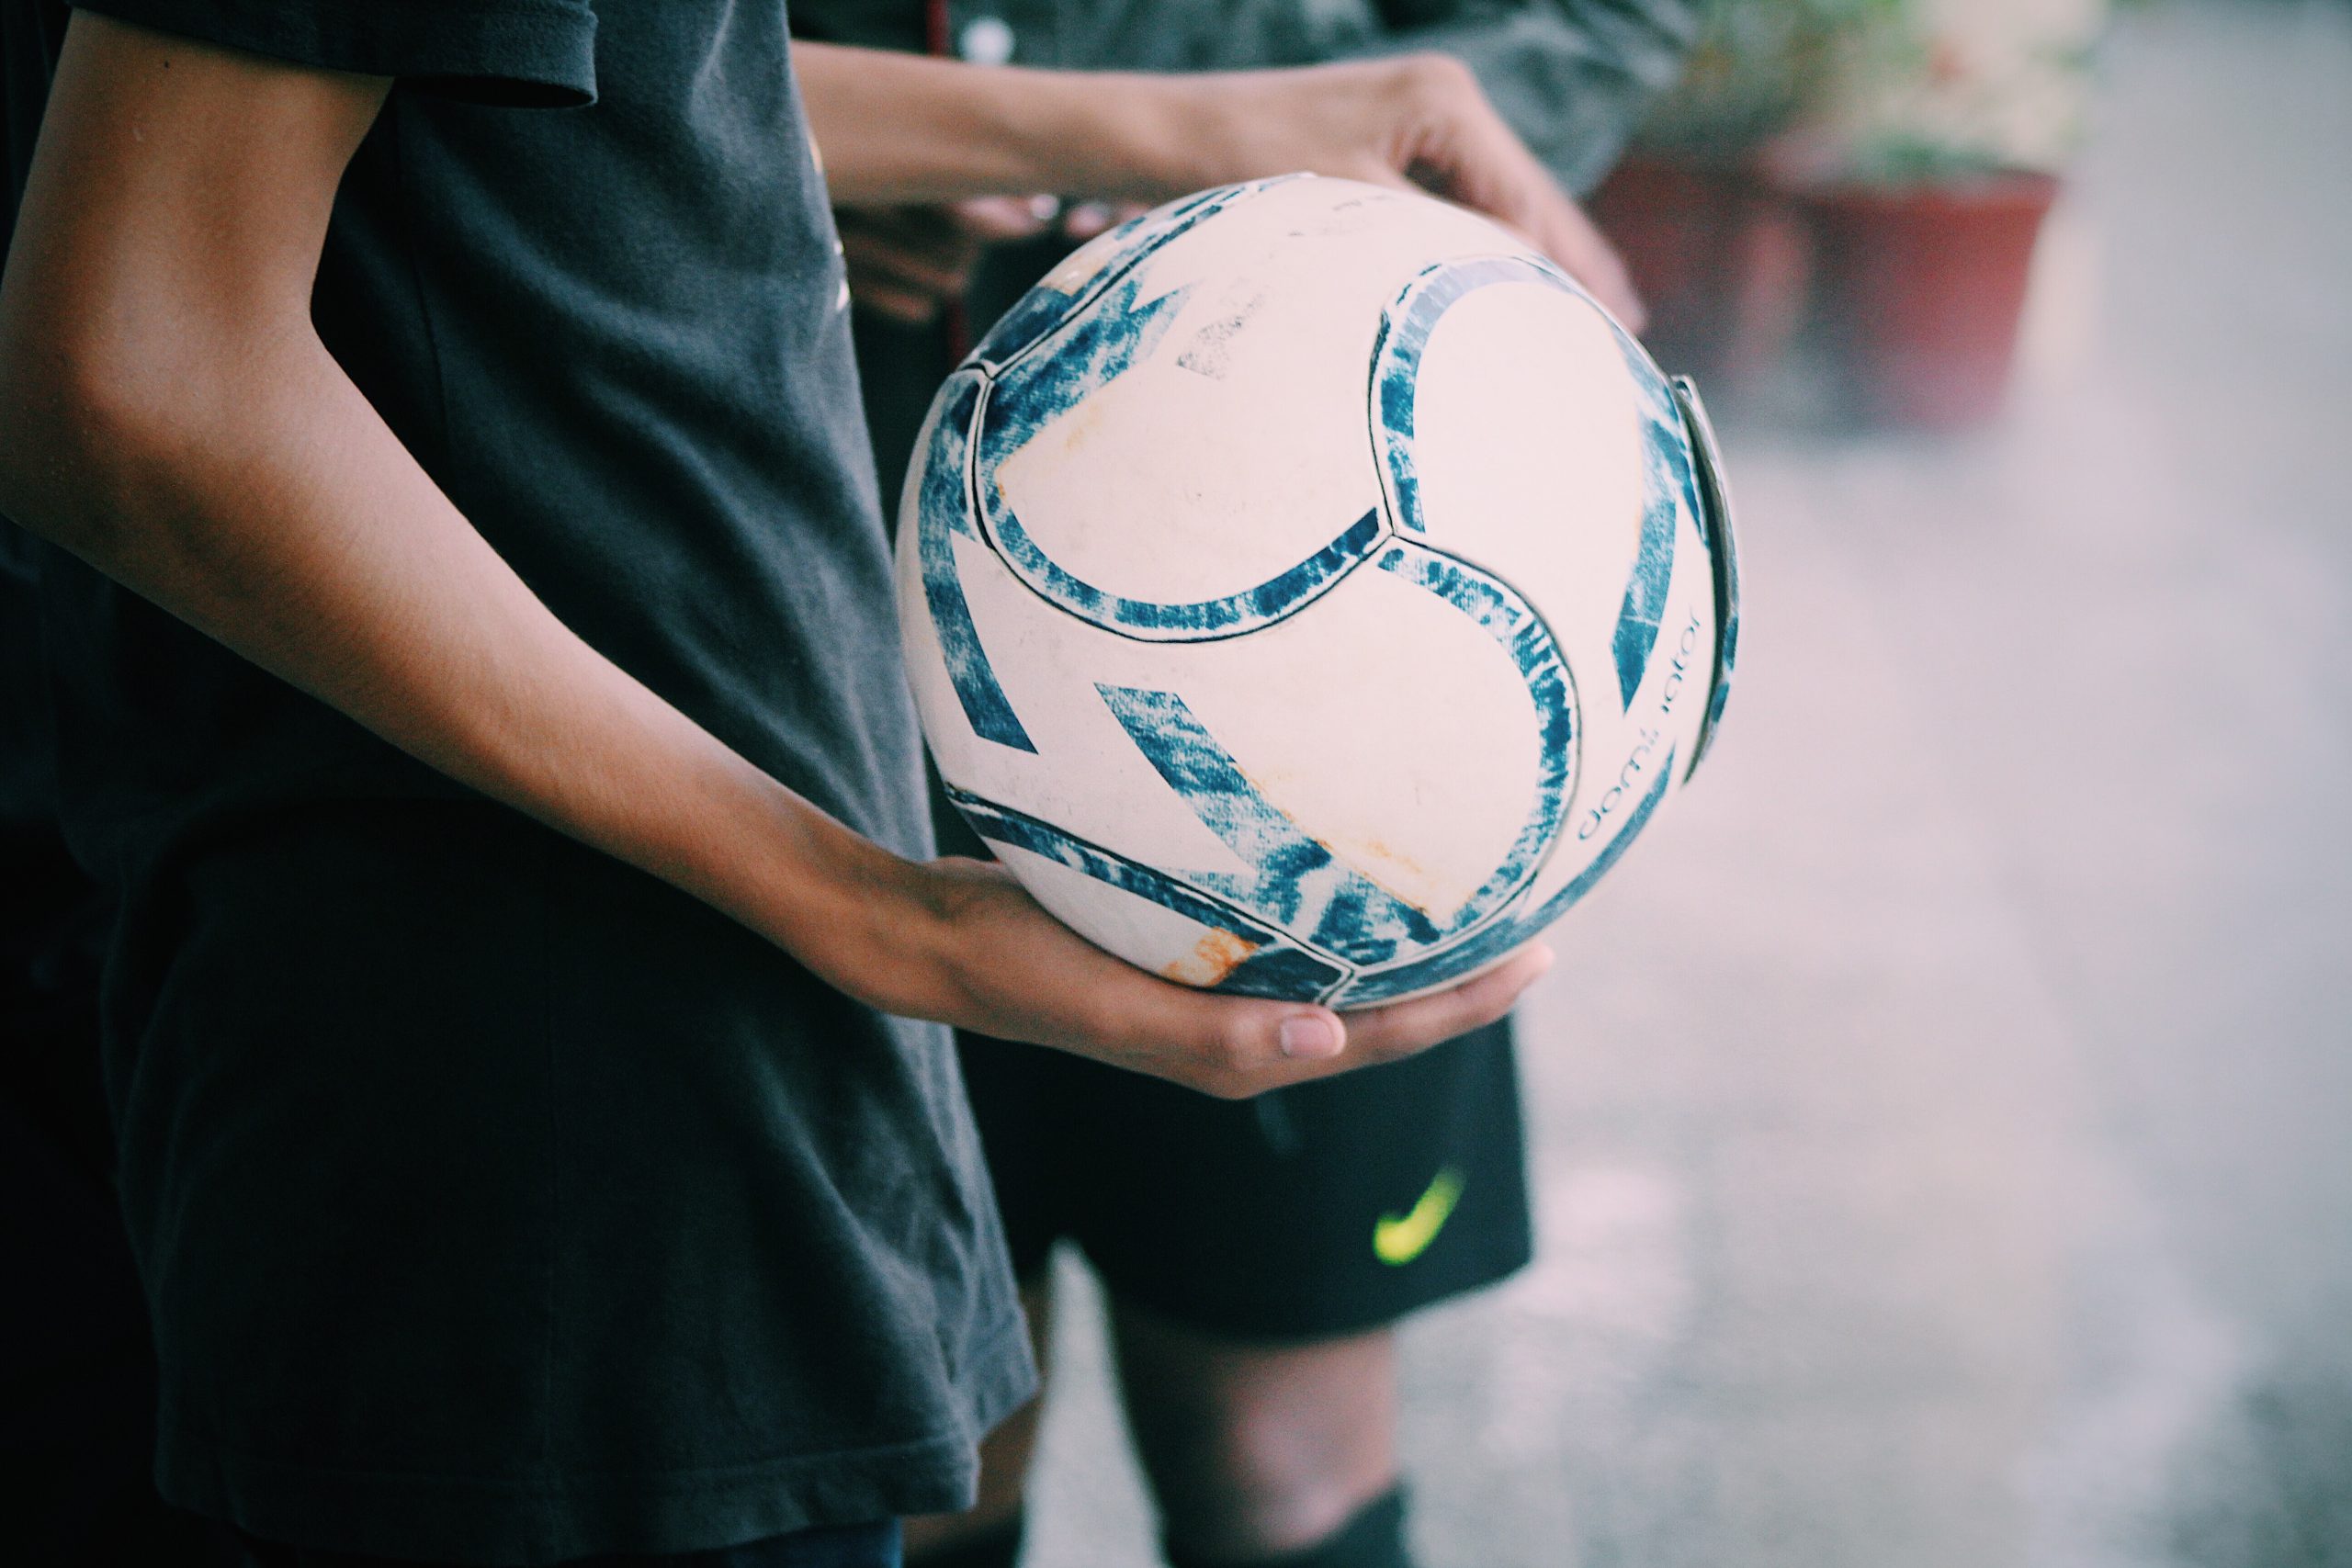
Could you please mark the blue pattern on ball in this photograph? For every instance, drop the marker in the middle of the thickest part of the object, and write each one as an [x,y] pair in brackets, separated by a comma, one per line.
[1404,332]
[1711,497]
[1116,331]
[1494,942]
[1042,310]
[1296,881]
[1278,964]
[942,510]
[1312,925]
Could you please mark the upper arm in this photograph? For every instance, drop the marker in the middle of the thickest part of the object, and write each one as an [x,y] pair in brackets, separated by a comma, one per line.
[174,214]
[173,175]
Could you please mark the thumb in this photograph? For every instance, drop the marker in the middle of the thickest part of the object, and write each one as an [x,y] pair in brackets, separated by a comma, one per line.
[1309,1035]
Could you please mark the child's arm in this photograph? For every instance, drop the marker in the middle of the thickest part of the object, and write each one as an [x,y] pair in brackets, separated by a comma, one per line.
[901,128]
[168,413]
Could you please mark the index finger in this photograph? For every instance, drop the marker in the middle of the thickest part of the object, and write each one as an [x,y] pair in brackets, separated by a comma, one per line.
[1571,239]
[1235,1047]
[1402,1028]
[1390,1033]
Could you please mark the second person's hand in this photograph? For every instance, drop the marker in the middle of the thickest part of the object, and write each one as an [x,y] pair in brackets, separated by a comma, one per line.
[1419,120]
[908,261]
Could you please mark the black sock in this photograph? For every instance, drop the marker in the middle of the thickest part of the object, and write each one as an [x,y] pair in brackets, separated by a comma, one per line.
[1375,1538]
[999,1546]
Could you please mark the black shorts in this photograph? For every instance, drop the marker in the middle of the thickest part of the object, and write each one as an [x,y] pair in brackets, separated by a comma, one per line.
[1327,1208]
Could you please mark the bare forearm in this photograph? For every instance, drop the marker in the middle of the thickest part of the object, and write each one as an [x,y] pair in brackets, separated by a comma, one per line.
[900,128]
[168,411]
[270,507]
[273,510]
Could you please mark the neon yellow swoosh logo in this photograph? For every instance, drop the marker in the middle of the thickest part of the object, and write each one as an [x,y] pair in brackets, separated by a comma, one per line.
[1398,1239]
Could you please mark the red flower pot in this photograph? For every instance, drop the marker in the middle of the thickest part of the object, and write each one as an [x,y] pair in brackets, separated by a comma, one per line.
[1920,290]
[1717,256]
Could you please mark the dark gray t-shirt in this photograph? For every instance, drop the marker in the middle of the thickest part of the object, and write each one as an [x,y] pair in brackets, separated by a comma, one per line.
[497,1201]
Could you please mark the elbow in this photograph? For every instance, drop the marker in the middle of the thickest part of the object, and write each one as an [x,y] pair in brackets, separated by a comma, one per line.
[81,422]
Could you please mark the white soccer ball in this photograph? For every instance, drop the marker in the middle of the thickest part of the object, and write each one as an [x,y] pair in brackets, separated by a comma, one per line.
[1310,592]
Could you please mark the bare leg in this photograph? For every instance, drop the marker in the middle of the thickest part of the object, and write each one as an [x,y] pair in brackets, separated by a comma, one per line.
[1005,1453]
[1256,1449]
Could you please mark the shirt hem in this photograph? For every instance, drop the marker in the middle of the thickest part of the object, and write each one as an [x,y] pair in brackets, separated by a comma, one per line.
[530,1521]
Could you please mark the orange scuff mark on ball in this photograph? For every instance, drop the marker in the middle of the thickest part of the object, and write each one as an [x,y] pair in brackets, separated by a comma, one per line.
[1215,955]
[1271,792]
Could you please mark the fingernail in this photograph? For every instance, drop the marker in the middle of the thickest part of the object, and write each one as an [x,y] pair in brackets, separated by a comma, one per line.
[1309,1037]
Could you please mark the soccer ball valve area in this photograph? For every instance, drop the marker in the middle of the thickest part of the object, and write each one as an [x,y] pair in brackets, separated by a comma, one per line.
[1310,592]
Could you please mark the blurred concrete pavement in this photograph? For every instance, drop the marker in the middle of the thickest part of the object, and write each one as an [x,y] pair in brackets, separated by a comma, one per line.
[1942,1119]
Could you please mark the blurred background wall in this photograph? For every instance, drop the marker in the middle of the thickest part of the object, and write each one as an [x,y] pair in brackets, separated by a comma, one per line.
[1944,1127]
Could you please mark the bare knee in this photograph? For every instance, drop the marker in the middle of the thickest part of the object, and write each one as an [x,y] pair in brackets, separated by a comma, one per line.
[1005,1454]
[1255,1449]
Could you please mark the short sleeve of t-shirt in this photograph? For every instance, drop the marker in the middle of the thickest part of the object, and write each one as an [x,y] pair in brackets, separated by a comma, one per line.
[538,52]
